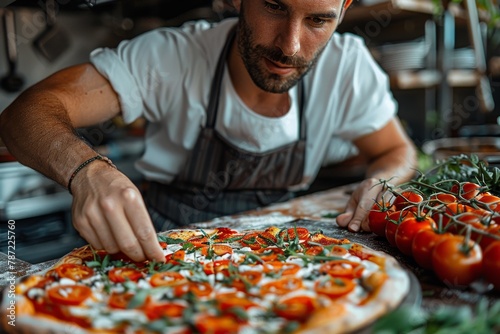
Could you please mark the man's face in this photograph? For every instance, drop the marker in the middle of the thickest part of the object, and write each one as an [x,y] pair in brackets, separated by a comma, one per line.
[281,40]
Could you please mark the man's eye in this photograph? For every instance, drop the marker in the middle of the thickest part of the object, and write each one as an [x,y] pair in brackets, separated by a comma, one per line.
[316,21]
[273,7]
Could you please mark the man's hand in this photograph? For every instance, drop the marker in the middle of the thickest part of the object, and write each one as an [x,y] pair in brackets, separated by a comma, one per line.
[109,212]
[355,217]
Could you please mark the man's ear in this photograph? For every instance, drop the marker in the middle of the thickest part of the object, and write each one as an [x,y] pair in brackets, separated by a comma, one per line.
[346,5]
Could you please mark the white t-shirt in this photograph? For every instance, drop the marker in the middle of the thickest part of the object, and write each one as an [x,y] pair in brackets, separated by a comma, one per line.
[165,76]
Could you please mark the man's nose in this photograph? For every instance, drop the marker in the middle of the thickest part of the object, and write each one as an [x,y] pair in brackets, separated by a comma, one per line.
[288,39]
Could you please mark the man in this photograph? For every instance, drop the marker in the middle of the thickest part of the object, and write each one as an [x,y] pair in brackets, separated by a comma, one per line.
[239,113]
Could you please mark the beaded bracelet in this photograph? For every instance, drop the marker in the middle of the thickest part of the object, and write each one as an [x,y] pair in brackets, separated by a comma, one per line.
[86,163]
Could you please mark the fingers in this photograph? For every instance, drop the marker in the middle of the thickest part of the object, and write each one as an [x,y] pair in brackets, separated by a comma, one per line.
[118,222]
[137,215]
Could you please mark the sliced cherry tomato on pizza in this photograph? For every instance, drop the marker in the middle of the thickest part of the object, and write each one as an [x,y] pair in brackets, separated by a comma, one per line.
[217,266]
[270,253]
[199,289]
[466,190]
[292,233]
[246,279]
[298,308]
[342,268]
[457,262]
[407,200]
[334,287]
[282,286]
[216,324]
[408,228]
[338,251]
[176,257]
[258,240]
[491,264]
[123,274]
[224,233]
[314,250]
[198,241]
[229,301]
[155,311]
[76,272]
[325,240]
[120,300]
[423,244]
[163,244]
[216,249]
[69,294]
[377,217]
[167,278]
[283,268]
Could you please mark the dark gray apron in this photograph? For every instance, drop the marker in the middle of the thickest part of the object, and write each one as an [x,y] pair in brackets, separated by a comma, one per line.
[221,179]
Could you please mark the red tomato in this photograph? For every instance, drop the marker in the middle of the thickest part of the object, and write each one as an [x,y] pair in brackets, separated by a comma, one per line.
[297,308]
[69,294]
[377,217]
[282,286]
[175,258]
[228,301]
[485,240]
[289,234]
[455,266]
[472,218]
[442,198]
[466,190]
[224,233]
[270,253]
[216,324]
[407,200]
[334,287]
[199,289]
[258,240]
[444,212]
[167,278]
[123,274]
[490,202]
[491,264]
[120,300]
[218,266]
[394,219]
[76,272]
[155,311]
[246,279]
[283,268]
[342,268]
[423,244]
[217,249]
[408,228]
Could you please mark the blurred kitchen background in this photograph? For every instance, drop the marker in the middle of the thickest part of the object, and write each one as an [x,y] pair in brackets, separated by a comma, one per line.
[443,59]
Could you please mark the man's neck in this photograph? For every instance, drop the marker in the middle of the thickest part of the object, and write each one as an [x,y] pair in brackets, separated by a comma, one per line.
[260,101]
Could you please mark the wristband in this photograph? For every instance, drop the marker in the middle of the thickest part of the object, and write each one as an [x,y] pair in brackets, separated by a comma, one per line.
[86,163]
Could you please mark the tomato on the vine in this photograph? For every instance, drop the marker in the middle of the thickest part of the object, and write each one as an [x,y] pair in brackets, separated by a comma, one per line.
[408,228]
[493,232]
[490,202]
[466,190]
[377,217]
[407,200]
[423,244]
[393,221]
[442,214]
[457,262]
[441,198]
[491,264]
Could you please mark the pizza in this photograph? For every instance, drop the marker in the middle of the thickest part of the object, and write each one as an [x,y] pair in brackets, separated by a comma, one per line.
[220,280]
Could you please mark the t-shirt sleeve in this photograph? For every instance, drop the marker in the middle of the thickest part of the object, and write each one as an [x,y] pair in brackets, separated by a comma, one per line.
[149,72]
[365,99]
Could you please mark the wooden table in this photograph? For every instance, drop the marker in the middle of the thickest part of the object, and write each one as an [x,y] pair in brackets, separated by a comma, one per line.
[313,211]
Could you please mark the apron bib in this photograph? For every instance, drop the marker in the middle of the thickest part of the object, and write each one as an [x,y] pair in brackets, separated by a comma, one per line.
[222,179]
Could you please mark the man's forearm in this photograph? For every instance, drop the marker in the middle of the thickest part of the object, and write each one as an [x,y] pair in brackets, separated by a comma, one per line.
[398,165]
[38,132]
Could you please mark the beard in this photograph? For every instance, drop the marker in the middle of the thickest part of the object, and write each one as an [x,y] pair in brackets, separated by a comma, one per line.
[253,55]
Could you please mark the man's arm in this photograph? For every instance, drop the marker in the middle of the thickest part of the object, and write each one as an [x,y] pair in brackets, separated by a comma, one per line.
[391,155]
[38,128]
